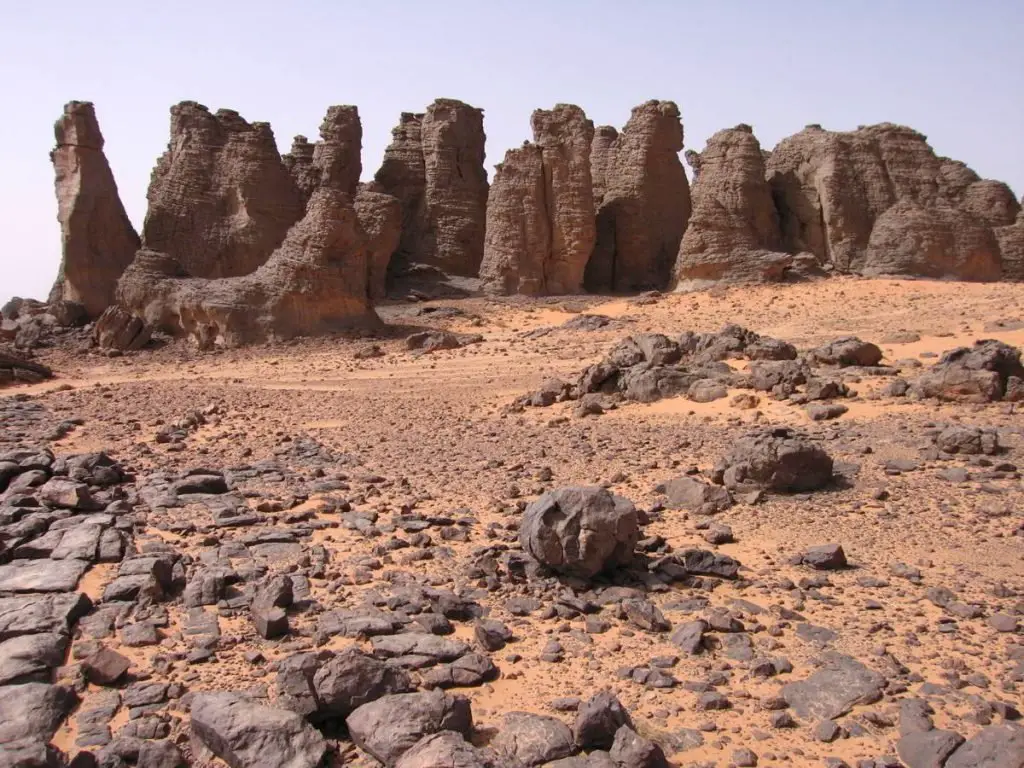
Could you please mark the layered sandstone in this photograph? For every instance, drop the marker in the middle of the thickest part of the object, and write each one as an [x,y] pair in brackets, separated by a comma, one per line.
[645,201]
[540,216]
[335,159]
[403,176]
[380,216]
[314,283]
[220,199]
[435,167]
[455,195]
[299,162]
[1011,248]
[98,240]
[602,160]
[878,200]
[733,232]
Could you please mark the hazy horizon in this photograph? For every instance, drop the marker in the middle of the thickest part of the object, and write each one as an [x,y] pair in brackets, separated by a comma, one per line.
[937,67]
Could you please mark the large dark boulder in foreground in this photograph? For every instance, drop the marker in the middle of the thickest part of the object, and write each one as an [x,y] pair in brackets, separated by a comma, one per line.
[533,739]
[245,734]
[598,719]
[776,459]
[390,726]
[34,711]
[353,678]
[997,746]
[448,749]
[580,531]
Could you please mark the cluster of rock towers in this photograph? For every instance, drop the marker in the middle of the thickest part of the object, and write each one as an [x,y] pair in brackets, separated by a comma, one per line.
[241,244]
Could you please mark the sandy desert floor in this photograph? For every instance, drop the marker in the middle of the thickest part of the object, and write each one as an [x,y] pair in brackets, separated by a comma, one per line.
[434,437]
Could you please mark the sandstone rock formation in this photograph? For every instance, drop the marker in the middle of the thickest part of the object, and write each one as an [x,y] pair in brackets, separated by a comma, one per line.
[1011,248]
[435,167]
[645,200]
[540,215]
[733,232]
[336,159]
[402,175]
[299,162]
[602,160]
[878,200]
[380,216]
[98,240]
[314,283]
[220,200]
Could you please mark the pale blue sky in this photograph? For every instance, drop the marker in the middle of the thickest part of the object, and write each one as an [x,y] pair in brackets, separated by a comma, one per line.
[950,69]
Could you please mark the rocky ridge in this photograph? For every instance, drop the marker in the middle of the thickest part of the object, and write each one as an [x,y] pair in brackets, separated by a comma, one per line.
[577,210]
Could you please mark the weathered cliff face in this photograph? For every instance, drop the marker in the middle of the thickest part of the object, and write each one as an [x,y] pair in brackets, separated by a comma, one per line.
[435,167]
[455,196]
[935,241]
[299,162]
[565,135]
[645,205]
[336,159]
[221,199]
[1011,248]
[380,216]
[540,217]
[602,160]
[402,175]
[315,283]
[734,232]
[834,189]
[98,240]
[518,238]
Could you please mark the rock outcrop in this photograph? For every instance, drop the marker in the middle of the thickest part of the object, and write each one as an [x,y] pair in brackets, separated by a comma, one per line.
[878,200]
[314,283]
[435,167]
[380,216]
[645,200]
[16,368]
[336,159]
[733,234]
[540,216]
[403,176]
[299,162]
[117,328]
[221,199]
[98,241]
[602,160]
[1011,248]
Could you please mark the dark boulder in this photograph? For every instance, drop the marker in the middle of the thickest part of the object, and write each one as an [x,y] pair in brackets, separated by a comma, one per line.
[580,531]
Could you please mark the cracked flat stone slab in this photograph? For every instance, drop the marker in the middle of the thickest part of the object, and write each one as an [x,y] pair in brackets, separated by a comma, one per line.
[35,614]
[41,575]
[832,691]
